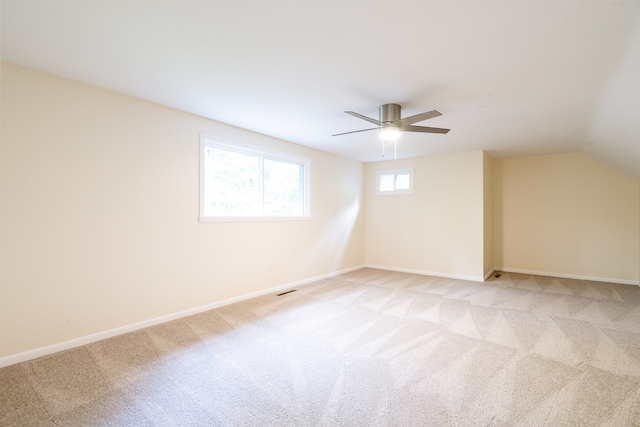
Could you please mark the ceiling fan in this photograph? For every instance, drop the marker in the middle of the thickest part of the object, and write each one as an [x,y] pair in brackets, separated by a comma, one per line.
[391,125]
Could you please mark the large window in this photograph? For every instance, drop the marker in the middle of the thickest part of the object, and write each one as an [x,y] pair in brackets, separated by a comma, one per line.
[239,182]
[399,181]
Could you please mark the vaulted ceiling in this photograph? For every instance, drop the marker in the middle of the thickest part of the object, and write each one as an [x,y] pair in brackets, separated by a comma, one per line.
[510,77]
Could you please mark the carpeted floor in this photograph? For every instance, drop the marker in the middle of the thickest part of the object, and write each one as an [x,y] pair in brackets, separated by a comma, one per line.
[367,348]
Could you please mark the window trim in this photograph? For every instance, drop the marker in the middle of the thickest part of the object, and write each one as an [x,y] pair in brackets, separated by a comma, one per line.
[241,147]
[395,173]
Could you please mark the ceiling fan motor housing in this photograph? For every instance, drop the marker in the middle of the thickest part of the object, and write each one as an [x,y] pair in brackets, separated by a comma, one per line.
[389,113]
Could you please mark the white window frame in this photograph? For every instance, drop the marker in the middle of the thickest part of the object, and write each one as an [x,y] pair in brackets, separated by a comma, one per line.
[241,147]
[395,173]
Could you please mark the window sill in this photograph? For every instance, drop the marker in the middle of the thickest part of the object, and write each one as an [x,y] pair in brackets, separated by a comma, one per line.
[253,218]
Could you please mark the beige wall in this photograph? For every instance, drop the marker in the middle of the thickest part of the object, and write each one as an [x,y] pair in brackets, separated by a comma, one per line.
[566,214]
[99,206]
[440,228]
[487,189]
[99,220]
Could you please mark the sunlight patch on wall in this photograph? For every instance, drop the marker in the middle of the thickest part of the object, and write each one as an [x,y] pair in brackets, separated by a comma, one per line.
[334,239]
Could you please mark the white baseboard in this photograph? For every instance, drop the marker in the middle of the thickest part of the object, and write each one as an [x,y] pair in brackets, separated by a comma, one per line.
[427,273]
[88,339]
[486,276]
[506,270]
[569,276]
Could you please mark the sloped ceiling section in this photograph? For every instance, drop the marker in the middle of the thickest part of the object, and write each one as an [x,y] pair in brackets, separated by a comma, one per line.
[615,134]
[510,77]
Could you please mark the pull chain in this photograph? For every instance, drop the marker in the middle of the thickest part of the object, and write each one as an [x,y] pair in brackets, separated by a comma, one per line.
[395,148]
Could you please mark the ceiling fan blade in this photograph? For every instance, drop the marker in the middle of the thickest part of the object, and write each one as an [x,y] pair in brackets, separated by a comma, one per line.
[417,118]
[355,131]
[360,116]
[423,129]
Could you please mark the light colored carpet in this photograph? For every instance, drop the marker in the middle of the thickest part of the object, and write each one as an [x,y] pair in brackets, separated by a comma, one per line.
[368,348]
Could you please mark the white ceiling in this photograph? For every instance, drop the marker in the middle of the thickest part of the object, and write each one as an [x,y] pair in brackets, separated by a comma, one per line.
[513,77]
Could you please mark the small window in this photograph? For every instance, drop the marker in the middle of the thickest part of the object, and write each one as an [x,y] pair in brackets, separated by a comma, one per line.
[240,183]
[399,181]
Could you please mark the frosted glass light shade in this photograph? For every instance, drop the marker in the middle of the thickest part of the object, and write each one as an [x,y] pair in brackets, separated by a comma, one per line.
[389,133]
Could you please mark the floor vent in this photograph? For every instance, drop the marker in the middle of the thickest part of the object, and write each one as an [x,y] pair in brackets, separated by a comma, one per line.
[288,292]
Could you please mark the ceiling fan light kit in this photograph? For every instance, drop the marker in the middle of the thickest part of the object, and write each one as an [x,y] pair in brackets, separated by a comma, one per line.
[389,133]
[391,125]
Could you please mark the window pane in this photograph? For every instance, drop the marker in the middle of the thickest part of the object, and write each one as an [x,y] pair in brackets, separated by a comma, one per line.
[386,182]
[243,183]
[232,183]
[402,182]
[283,190]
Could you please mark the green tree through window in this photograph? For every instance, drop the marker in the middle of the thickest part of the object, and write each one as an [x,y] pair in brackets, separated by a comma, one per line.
[242,182]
